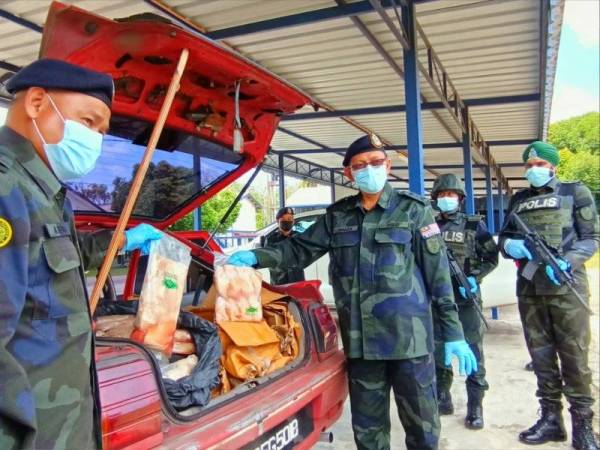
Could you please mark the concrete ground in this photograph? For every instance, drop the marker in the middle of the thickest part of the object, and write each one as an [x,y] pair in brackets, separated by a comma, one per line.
[510,405]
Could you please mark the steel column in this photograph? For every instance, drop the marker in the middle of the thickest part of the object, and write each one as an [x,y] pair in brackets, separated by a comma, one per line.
[489,200]
[468,166]
[412,94]
[281,182]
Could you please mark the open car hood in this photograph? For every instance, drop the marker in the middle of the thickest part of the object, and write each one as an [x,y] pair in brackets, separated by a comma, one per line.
[140,54]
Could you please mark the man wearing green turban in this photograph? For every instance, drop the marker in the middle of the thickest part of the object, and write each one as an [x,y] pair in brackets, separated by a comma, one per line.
[556,325]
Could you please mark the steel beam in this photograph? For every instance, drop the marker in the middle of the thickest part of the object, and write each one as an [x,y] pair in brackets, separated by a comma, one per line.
[9,67]
[304,18]
[432,146]
[500,207]
[332,184]
[468,169]
[21,21]
[388,109]
[412,94]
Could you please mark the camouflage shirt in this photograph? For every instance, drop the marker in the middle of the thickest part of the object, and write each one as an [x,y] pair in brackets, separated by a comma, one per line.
[471,244]
[388,268]
[565,215]
[47,369]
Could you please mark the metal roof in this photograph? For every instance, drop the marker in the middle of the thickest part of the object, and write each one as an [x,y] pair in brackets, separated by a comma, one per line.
[498,55]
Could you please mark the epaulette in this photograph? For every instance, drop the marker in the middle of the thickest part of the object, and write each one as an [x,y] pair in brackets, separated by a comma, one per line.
[6,161]
[417,197]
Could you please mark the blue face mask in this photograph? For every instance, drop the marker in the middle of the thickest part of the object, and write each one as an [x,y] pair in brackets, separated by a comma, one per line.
[371,179]
[539,176]
[447,204]
[75,155]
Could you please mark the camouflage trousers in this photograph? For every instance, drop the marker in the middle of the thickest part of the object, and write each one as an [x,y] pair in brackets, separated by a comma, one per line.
[473,329]
[557,328]
[413,384]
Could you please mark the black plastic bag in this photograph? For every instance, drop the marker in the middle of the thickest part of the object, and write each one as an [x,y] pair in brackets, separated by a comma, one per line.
[195,389]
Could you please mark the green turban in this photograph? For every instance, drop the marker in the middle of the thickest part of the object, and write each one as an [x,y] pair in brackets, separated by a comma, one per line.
[542,150]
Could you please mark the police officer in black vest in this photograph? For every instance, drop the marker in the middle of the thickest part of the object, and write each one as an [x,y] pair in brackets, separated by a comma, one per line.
[474,249]
[285,222]
[556,325]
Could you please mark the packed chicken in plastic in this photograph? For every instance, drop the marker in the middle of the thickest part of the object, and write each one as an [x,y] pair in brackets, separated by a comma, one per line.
[238,290]
[161,294]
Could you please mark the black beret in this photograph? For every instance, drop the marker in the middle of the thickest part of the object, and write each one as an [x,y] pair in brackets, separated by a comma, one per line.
[57,74]
[283,211]
[363,144]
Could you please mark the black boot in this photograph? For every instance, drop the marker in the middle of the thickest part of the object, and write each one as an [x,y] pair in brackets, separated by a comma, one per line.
[474,419]
[445,406]
[550,426]
[583,434]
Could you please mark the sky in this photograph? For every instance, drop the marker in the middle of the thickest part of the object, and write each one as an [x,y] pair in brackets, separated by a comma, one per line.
[576,86]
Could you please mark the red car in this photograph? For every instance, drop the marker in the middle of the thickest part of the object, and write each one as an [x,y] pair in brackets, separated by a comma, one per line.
[194,160]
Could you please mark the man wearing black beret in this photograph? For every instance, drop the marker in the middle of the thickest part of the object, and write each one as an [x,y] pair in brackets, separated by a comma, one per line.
[53,133]
[284,230]
[388,269]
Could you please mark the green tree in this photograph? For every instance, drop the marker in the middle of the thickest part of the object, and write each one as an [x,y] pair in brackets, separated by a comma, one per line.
[212,211]
[581,133]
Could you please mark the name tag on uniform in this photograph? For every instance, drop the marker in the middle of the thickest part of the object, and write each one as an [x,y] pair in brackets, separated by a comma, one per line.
[552,202]
[454,236]
[54,230]
[345,229]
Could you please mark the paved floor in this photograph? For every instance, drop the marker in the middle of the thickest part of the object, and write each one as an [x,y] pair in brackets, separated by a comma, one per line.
[510,405]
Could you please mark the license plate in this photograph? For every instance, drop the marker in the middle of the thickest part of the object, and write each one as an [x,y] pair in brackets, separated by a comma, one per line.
[286,435]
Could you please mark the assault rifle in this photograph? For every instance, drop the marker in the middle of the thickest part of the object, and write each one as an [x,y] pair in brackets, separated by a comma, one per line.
[543,256]
[459,277]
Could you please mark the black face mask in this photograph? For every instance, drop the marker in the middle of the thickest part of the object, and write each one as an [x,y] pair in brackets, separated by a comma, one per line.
[286,225]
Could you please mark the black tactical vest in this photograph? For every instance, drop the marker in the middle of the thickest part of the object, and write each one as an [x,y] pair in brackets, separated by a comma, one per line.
[459,234]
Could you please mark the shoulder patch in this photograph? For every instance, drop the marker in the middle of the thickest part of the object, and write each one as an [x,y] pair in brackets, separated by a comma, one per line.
[6,232]
[414,196]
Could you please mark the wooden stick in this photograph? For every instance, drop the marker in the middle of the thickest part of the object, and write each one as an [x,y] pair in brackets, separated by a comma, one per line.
[137,182]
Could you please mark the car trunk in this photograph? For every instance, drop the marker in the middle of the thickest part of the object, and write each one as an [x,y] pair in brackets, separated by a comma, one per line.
[124,359]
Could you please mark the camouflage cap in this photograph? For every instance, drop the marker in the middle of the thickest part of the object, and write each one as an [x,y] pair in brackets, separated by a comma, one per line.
[447,182]
[542,150]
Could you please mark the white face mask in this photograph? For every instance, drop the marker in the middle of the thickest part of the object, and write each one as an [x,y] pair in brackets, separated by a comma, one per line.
[75,155]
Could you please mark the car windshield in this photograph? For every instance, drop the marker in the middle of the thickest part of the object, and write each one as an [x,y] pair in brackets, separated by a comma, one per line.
[182,167]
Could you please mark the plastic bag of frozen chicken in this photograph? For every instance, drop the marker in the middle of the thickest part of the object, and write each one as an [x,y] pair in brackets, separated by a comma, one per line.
[161,294]
[238,293]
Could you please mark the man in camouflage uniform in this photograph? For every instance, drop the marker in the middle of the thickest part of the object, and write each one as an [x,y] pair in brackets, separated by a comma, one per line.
[474,249]
[284,230]
[556,325]
[47,371]
[388,270]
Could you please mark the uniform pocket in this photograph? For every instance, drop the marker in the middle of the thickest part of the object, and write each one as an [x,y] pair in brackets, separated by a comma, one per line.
[65,290]
[61,254]
[392,246]
[344,250]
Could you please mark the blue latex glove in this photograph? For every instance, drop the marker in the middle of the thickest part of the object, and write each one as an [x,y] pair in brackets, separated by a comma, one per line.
[516,249]
[474,287]
[243,258]
[564,266]
[139,238]
[467,363]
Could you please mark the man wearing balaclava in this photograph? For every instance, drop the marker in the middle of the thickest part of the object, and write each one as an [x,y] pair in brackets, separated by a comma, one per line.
[556,325]
[284,230]
[475,251]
